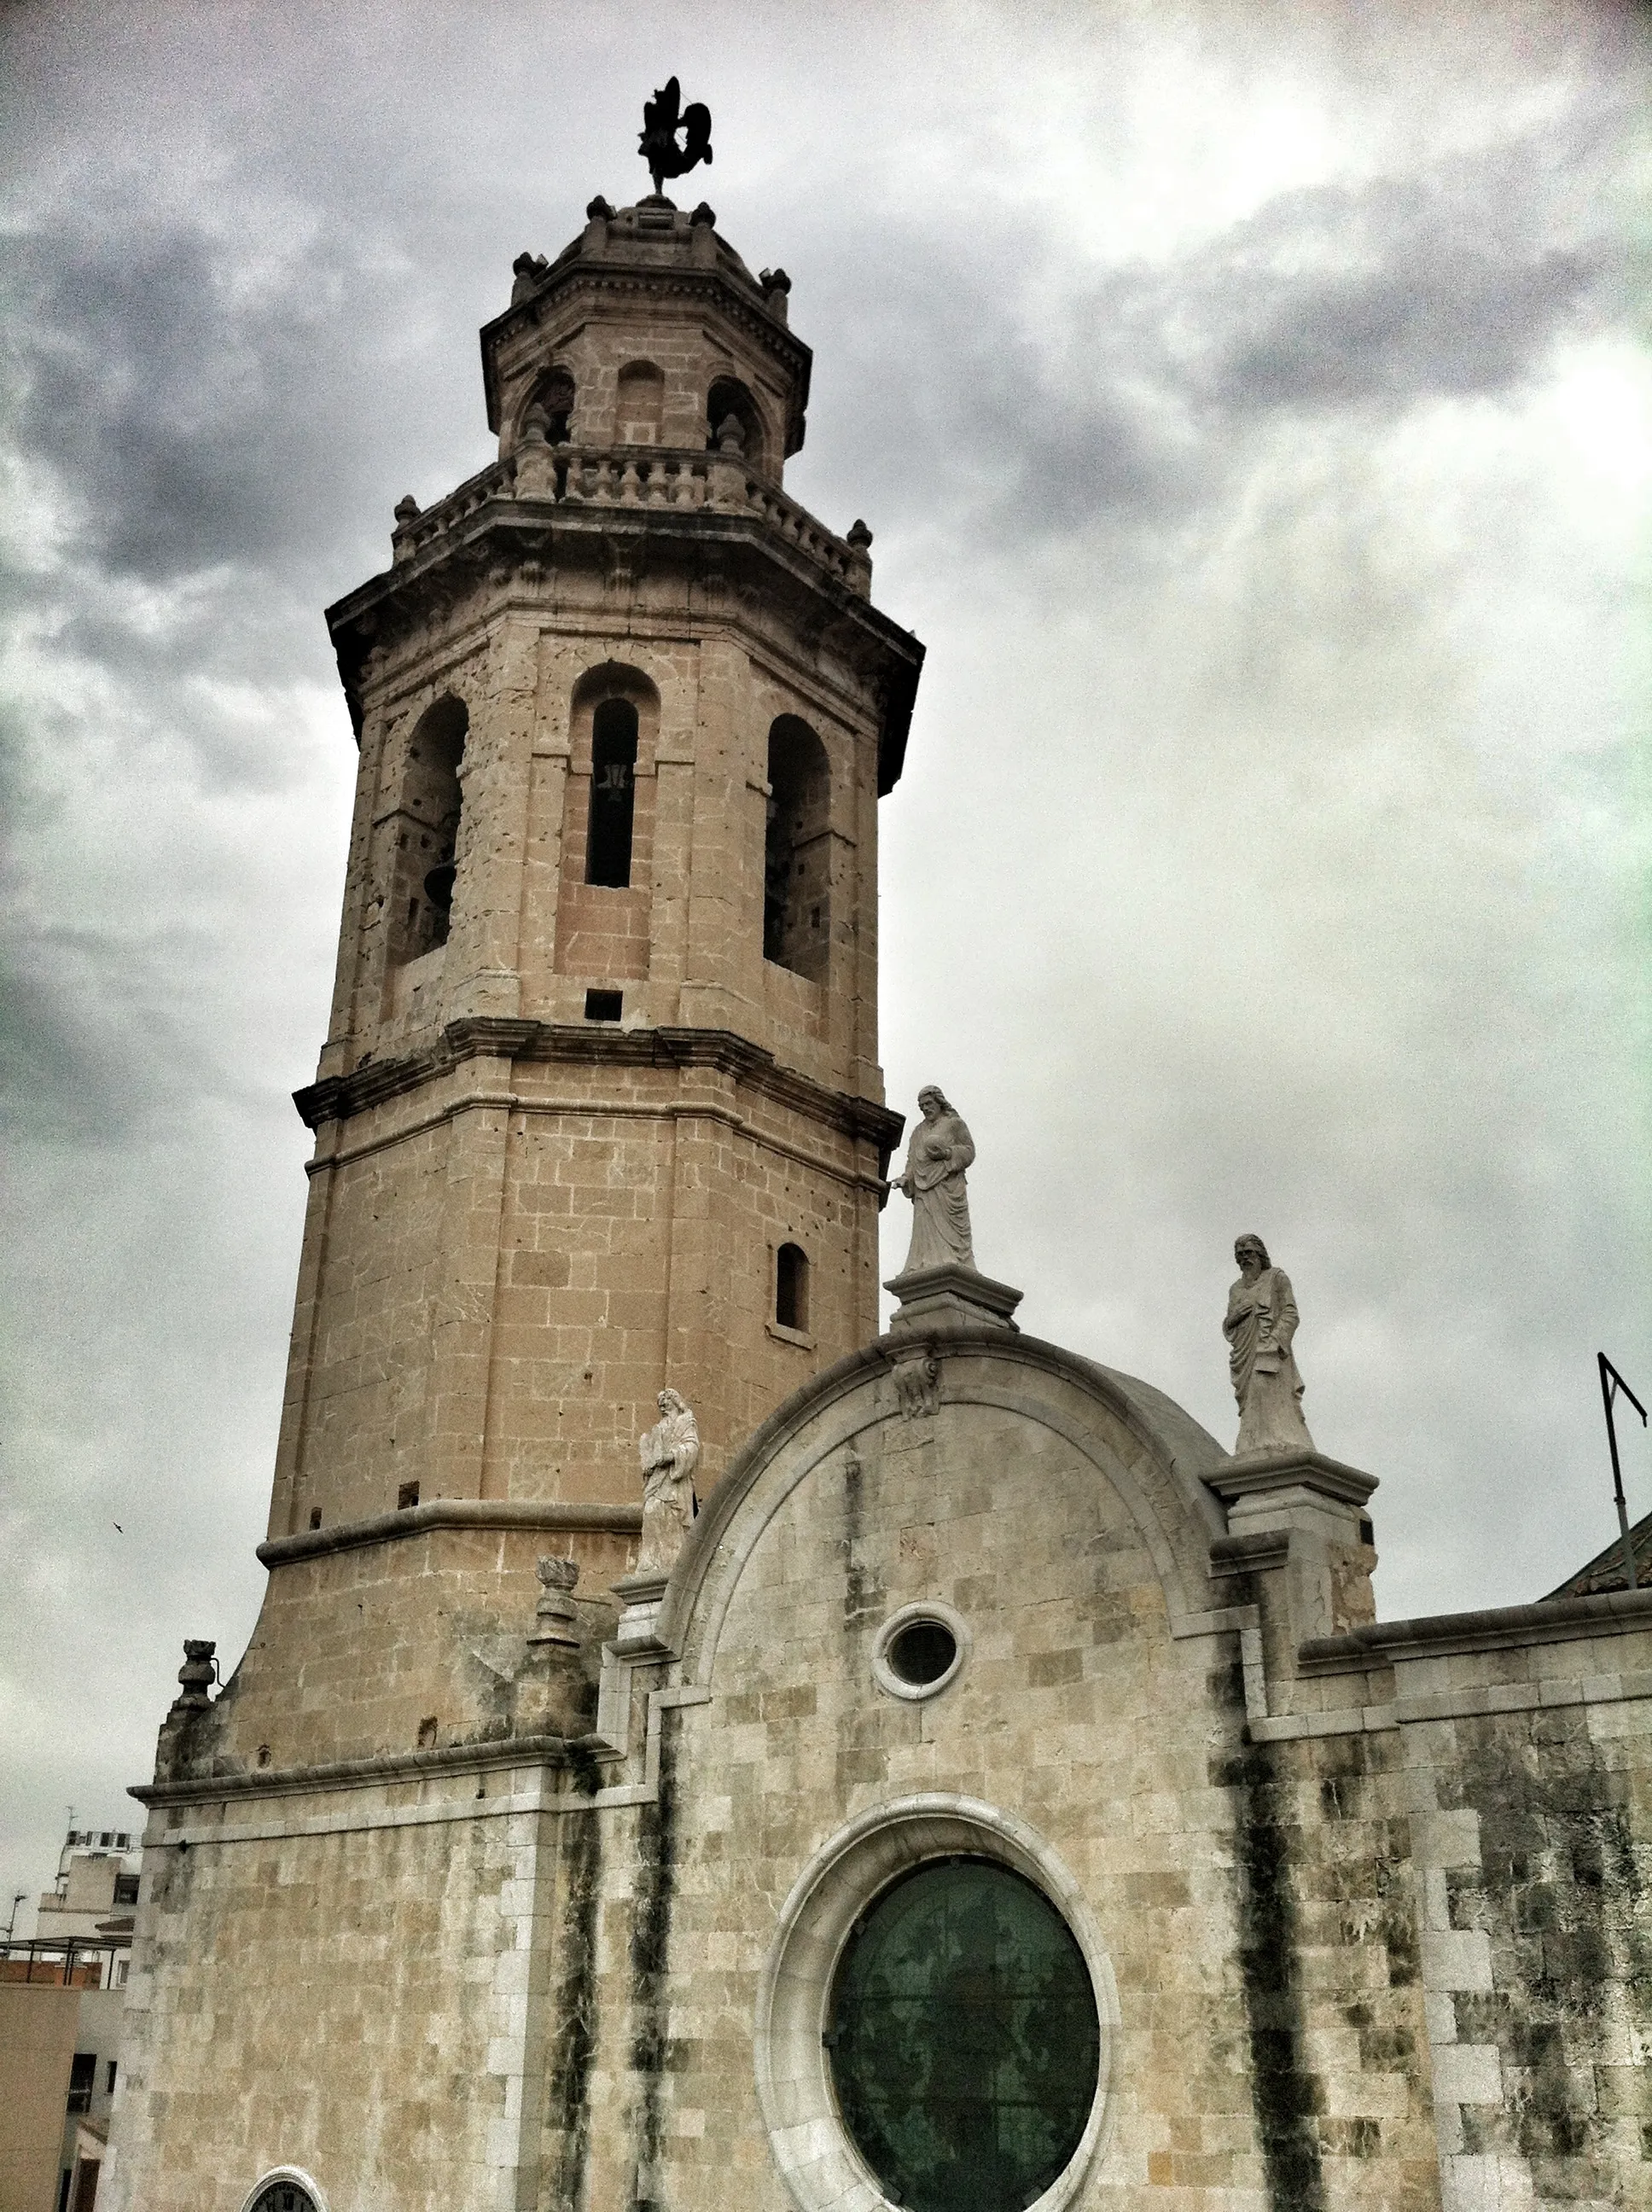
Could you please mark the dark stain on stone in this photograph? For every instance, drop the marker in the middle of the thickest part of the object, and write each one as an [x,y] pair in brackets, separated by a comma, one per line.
[651,1932]
[1562,1899]
[863,1589]
[1284,2094]
[575,2040]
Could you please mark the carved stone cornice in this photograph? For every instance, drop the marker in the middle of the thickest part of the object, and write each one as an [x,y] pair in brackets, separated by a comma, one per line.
[553,1518]
[338,1097]
[485,531]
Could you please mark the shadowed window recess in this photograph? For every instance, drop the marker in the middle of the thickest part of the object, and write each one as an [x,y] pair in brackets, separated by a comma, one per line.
[797,851]
[82,2080]
[964,2043]
[922,1652]
[792,1287]
[426,832]
[732,422]
[549,413]
[613,794]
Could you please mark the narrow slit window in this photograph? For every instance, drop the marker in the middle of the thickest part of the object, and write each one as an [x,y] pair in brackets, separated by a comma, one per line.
[791,1287]
[613,794]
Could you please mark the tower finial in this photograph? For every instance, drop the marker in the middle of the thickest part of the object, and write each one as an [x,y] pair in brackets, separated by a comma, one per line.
[660,124]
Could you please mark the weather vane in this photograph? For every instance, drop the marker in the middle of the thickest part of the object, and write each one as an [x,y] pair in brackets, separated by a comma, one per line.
[660,124]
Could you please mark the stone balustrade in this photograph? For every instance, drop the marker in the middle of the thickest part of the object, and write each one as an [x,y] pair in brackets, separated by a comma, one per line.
[641,478]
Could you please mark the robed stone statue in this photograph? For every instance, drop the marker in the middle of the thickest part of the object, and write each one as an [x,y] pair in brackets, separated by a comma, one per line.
[1261,1325]
[670,1452]
[933,1178]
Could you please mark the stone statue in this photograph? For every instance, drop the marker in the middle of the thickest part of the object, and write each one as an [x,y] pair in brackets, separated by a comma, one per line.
[661,122]
[670,1452]
[940,1150]
[1260,1323]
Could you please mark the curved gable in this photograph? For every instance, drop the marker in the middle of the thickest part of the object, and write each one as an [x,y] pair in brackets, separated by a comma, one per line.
[1118,1461]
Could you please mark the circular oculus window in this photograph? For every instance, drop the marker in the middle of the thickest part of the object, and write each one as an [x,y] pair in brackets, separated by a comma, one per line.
[964,2040]
[919,1650]
[936,2017]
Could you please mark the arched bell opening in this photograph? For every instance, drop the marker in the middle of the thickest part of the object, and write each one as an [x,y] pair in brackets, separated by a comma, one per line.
[734,423]
[797,851]
[425,826]
[549,411]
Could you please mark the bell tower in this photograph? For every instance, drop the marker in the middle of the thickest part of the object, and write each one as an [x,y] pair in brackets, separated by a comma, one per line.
[599,1107]
[599,1112]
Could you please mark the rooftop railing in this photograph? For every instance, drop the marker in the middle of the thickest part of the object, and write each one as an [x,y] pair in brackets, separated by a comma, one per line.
[69,1962]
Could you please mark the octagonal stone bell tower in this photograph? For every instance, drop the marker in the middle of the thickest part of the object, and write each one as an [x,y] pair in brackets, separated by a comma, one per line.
[599,1108]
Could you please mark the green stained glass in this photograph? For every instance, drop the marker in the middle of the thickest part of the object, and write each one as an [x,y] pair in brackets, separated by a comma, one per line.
[964,2043]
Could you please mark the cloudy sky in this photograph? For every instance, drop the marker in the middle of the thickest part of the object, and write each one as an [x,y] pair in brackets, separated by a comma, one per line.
[1251,406]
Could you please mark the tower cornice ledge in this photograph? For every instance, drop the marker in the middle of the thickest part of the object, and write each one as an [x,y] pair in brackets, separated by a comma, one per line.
[337,1097]
[591,510]
[478,1757]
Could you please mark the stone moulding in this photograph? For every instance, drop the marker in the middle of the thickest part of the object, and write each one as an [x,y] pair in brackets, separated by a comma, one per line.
[363,1773]
[897,1686]
[337,1097]
[1550,1620]
[820,2165]
[1259,1474]
[450,1513]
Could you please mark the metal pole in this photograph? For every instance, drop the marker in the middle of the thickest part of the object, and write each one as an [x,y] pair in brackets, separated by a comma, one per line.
[1610,1382]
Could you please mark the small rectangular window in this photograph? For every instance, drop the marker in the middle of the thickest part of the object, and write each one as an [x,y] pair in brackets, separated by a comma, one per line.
[406,1496]
[82,2080]
[315,1516]
[791,1287]
[603,1005]
[125,1889]
[109,2086]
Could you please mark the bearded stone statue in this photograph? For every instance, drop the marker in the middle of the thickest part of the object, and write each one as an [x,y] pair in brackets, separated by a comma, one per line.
[1261,1325]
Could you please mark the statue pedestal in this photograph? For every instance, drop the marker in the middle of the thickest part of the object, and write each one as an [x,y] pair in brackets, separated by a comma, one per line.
[640,1597]
[1303,1516]
[949,1298]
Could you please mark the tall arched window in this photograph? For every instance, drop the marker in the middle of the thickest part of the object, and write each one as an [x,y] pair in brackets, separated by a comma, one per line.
[641,404]
[426,830]
[613,794]
[792,1287]
[797,851]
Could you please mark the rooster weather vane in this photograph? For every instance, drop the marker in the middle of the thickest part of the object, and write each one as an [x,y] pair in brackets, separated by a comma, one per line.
[661,122]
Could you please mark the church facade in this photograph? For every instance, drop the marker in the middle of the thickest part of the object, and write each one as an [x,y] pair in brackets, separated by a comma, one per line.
[1000,1795]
